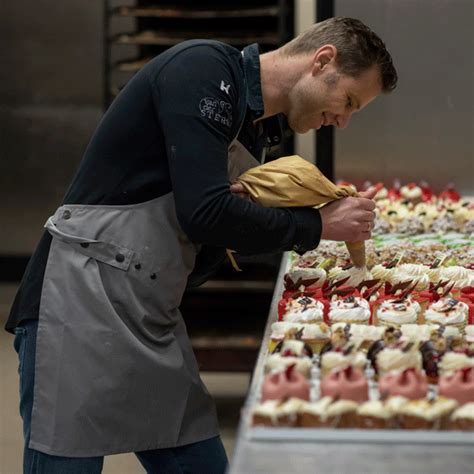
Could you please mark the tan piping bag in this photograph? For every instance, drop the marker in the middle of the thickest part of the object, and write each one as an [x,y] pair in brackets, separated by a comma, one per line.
[292,181]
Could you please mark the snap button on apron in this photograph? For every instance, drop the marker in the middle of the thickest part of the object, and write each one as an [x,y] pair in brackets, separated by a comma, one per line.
[66,214]
[119,257]
[137,266]
[84,245]
[153,276]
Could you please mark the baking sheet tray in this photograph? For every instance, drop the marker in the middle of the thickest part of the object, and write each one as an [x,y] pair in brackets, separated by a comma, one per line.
[329,435]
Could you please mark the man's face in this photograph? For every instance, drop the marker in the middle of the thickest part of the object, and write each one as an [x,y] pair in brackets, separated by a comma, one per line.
[326,97]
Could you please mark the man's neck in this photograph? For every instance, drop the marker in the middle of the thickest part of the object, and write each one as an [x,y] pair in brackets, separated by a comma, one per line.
[278,75]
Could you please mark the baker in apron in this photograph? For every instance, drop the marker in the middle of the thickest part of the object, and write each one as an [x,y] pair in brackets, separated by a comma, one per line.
[106,364]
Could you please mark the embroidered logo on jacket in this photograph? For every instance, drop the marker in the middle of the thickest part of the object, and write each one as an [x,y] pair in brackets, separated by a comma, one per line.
[217,110]
[225,88]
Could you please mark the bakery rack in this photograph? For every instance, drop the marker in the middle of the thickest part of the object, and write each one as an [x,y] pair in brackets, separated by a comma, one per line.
[135,32]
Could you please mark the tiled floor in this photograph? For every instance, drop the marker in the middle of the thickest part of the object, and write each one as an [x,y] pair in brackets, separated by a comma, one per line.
[228,390]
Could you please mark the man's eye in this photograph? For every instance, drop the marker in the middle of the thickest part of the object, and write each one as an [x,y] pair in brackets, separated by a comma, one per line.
[349,102]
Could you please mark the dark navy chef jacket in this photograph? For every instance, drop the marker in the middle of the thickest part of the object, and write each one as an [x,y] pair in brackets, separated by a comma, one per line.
[169,130]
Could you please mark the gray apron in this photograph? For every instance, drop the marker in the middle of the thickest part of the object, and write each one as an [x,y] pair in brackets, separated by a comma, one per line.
[115,371]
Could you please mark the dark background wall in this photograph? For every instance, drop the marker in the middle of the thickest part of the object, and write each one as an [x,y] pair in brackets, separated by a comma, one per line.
[50,103]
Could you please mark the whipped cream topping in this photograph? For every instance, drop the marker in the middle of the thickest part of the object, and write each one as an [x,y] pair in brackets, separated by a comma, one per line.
[394,404]
[466,412]
[269,408]
[411,192]
[335,360]
[469,332]
[453,361]
[340,407]
[400,276]
[374,408]
[275,363]
[356,275]
[393,311]
[395,359]
[310,331]
[275,409]
[429,410]
[364,332]
[451,331]
[460,276]
[293,345]
[304,310]
[447,310]
[381,194]
[318,408]
[418,332]
[308,273]
[352,308]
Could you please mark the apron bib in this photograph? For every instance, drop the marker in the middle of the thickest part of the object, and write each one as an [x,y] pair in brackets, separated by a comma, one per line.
[115,371]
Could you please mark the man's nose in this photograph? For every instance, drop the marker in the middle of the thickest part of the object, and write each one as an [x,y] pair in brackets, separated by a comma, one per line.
[342,121]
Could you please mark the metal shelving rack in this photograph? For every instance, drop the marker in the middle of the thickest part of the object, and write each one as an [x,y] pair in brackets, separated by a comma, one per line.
[135,32]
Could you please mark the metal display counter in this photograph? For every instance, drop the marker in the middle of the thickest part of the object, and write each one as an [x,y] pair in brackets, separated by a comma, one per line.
[270,454]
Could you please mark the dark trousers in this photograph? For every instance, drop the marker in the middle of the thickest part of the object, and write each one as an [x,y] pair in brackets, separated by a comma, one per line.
[204,457]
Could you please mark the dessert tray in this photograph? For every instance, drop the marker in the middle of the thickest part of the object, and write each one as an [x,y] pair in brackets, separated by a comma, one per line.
[435,252]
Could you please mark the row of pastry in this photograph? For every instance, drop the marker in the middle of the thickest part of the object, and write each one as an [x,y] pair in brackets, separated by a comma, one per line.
[346,386]
[405,218]
[441,353]
[394,412]
[414,209]
[378,309]
[428,250]
[310,272]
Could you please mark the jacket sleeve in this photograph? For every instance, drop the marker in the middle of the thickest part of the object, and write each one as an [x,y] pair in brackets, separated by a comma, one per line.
[196,96]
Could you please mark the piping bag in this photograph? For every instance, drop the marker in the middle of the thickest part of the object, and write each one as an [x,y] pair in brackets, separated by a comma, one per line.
[292,181]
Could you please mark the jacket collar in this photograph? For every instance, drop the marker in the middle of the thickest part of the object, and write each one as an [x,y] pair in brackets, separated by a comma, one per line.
[251,61]
[271,125]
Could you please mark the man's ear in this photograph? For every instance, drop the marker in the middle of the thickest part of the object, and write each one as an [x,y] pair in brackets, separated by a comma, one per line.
[322,57]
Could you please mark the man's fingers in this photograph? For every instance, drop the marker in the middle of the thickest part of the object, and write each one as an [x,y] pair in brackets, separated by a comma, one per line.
[237,188]
[367,203]
[369,193]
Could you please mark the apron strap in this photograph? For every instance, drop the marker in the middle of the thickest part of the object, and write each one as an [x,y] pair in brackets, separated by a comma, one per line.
[105,252]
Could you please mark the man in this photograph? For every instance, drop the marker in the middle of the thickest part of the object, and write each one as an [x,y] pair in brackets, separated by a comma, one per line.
[105,362]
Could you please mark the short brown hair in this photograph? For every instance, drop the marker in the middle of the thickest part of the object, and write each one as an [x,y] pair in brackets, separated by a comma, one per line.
[358,48]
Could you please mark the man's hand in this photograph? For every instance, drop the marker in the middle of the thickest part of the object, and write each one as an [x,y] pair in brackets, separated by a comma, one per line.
[350,219]
[239,191]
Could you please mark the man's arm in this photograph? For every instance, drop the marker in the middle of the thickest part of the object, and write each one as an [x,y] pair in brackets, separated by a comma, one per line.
[199,118]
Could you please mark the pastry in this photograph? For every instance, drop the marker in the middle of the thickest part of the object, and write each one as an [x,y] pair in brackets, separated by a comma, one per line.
[341,352]
[285,384]
[426,414]
[276,413]
[314,414]
[374,414]
[397,311]
[405,356]
[346,384]
[315,335]
[303,309]
[351,309]
[447,311]
[458,385]
[463,418]
[342,414]
[409,383]
[452,361]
